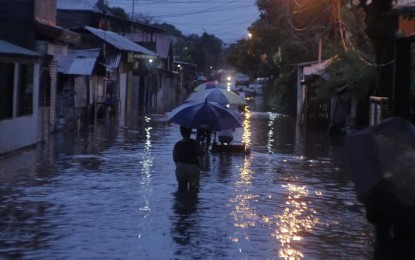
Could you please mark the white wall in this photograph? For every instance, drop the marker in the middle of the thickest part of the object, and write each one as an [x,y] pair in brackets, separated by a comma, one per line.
[19,132]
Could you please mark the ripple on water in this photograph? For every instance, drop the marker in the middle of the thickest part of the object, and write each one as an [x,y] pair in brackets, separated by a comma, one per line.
[115,197]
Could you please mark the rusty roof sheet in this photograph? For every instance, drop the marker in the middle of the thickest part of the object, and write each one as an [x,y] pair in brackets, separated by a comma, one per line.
[119,42]
[11,49]
[79,62]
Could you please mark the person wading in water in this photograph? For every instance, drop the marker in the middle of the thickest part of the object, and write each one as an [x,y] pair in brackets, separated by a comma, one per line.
[185,156]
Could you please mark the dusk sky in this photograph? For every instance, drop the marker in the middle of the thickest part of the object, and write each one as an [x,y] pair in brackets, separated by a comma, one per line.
[226,19]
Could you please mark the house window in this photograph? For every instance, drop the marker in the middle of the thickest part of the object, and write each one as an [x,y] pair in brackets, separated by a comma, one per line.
[25,90]
[6,90]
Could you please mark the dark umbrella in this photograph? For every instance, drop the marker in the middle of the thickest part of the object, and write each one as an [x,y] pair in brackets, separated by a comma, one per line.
[383,157]
[204,115]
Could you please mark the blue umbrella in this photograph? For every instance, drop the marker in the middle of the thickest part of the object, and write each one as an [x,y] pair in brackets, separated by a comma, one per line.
[218,95]
[204,115]
[208,85]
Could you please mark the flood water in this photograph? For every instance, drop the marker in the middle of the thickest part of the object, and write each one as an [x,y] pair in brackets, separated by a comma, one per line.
[112,194]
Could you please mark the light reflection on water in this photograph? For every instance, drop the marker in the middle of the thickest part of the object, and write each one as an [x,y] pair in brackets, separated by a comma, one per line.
[246,127]
[145,184]
[113,195]
[296,219]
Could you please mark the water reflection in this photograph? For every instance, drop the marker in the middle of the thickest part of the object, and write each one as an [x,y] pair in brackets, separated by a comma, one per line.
[270,140]
[243,215]
[145,182]
[295,220]
[113,195]
[24,224]
[185,204]
[246,134]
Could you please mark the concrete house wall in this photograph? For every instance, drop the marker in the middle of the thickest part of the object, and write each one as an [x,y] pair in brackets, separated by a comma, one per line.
[18,131]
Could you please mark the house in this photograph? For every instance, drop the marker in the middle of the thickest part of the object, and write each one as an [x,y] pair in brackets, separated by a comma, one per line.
[82,92]
[185,80]
[127,66]
[35,20]
[36,23]
[308,112]
[161,90]
[144,79]
[53,42]
[19,96]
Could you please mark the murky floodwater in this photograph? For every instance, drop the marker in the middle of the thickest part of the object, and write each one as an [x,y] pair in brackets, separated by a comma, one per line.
[112,195]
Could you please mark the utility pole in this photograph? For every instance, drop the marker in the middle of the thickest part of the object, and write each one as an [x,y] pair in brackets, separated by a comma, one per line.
[132,11]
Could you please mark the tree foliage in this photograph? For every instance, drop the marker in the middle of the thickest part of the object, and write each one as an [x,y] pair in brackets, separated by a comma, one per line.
[359,33]
[119,12]
[380,28]
[353,71]
[205,51]
[276,44]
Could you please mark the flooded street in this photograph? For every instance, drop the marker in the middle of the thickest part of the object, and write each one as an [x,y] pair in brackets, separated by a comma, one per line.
[112,195]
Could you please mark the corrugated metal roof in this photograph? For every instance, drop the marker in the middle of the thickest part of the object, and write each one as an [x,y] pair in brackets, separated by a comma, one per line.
[119,42]
[79,62]
[113,61]
[11,49]
[317,69]
[79,5]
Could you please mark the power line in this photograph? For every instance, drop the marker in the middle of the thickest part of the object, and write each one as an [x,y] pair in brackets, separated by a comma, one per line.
[222,18]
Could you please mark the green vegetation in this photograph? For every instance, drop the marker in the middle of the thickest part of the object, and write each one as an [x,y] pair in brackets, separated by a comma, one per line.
[205,51]
[288,32]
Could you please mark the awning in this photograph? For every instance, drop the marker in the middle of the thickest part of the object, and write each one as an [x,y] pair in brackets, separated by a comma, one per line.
[56,32]
[120,42]
[317,69]
[7,48]
[79,62]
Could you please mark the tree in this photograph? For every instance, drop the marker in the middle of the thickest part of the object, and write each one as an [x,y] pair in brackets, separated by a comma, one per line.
[380,28]
[354,65]
[276,44]
[119,12]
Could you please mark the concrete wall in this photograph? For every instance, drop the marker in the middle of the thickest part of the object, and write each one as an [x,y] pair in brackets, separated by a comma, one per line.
[18,132]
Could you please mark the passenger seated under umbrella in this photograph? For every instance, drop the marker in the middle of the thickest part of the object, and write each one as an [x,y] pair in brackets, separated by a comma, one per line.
[226,136]
[204,137]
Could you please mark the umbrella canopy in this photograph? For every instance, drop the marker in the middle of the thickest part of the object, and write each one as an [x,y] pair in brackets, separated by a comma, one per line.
[208,85]
[221,96]
[201,78]
[204,115]
[383,157]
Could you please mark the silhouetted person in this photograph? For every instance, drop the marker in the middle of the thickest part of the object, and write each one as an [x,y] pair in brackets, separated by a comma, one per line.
[185,156]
